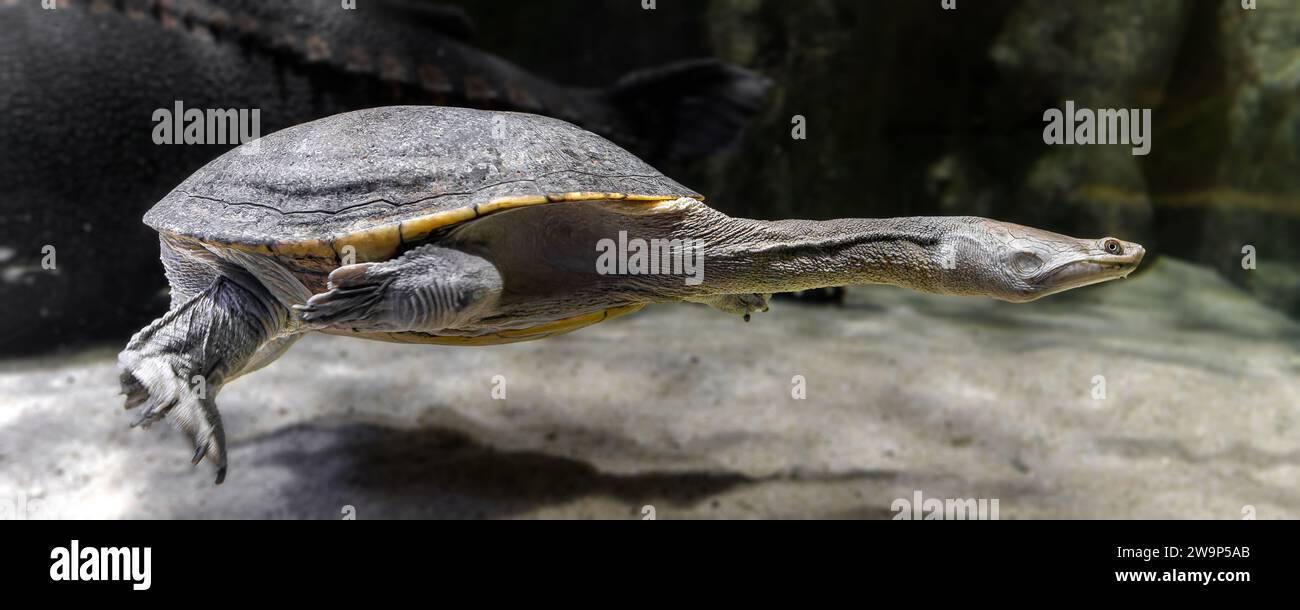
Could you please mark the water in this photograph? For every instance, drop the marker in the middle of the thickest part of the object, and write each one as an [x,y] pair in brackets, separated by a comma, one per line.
[1172,394]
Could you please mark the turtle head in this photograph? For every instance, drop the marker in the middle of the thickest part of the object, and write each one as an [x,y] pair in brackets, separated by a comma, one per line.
[1020,264]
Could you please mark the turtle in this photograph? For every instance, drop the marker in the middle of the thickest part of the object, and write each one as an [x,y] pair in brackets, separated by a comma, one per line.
[452,226]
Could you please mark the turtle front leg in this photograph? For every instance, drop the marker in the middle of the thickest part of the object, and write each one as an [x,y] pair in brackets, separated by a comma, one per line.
[427,289]
[735,304]
[179,363]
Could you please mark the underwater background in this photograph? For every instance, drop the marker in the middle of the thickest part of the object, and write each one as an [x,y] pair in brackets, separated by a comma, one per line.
[910,109]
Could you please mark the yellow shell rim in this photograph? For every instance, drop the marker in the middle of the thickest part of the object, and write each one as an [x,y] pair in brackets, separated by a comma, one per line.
[382,242]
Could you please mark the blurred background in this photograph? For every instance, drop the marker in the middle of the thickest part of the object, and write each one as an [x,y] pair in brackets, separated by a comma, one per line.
[910,109]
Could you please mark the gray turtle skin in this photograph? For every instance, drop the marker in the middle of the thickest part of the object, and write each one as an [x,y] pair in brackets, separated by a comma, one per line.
[442,225]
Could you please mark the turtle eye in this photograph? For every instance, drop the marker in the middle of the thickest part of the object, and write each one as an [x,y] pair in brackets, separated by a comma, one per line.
[1113,246]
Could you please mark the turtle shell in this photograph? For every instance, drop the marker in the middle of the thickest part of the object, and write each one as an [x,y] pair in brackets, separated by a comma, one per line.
[382,178]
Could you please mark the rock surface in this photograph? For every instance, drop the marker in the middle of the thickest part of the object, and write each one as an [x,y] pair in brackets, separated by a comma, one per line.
[691,412]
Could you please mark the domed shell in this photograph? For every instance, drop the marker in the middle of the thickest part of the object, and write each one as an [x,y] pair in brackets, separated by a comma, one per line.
[378,178]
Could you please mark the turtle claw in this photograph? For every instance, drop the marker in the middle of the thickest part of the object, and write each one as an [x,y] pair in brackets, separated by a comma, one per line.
[353,293]
[753,303]
[152,384]
[221,461]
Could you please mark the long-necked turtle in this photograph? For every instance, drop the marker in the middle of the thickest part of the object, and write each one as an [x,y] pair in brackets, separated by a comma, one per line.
[454,226]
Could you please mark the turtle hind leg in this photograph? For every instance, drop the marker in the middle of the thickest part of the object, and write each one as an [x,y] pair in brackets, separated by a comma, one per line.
[427,289]
[178,364]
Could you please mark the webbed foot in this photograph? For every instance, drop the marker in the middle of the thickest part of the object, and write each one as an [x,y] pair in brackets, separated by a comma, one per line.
[428,288]
[156,385]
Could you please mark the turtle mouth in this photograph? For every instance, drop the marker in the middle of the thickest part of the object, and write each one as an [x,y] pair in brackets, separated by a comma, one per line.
[1094,269]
